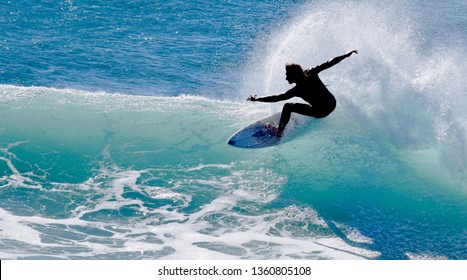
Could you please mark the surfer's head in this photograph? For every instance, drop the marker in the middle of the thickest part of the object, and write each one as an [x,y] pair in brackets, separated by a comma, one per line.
[293,73]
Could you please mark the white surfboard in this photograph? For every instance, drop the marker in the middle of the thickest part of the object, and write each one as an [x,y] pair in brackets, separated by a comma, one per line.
[256,135]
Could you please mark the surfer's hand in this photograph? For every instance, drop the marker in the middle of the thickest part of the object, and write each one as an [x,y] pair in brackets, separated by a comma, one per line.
[252,98]
[354,51]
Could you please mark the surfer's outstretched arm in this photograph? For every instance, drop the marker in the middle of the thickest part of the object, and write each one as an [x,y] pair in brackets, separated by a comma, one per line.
[273,98]
[332,62]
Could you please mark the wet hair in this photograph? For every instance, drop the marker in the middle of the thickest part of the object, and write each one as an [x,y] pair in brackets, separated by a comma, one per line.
[294,70]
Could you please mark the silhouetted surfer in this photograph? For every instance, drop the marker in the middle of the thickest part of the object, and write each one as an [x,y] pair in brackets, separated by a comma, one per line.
[310,88]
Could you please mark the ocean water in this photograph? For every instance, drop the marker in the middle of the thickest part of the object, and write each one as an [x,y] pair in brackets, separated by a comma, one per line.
[114,117]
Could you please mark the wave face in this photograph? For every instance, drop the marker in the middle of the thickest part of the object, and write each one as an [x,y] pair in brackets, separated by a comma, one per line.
[94,175]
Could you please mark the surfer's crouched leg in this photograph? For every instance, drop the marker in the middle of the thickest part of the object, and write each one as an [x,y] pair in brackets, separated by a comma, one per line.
[304,109]
[285,116]
[299,108]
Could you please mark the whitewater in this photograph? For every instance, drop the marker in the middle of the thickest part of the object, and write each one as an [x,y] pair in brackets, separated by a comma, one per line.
[99,162]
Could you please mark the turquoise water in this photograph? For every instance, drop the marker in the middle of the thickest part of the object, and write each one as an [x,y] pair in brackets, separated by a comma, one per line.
[115,117]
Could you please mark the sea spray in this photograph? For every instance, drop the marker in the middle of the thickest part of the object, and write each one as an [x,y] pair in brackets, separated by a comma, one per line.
[411,95]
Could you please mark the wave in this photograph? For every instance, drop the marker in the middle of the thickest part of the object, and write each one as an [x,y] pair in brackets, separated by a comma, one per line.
[132,177]
[97,168]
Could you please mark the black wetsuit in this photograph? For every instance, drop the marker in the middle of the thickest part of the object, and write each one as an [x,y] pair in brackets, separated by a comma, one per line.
[312,90]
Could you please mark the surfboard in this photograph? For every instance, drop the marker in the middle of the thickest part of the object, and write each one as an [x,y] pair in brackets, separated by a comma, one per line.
[256,135]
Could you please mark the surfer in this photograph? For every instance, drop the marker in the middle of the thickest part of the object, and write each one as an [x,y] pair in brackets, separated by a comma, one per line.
[310,88]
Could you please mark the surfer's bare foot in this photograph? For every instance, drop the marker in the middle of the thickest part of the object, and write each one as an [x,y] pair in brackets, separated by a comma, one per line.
[274,130]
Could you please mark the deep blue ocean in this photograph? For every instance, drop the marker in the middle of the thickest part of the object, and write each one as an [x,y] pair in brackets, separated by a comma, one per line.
[114,118]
